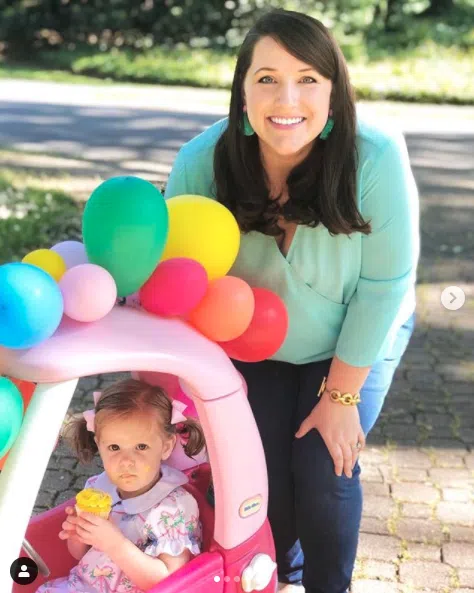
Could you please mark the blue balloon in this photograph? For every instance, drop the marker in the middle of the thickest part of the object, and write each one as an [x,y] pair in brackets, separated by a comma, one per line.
[31,305]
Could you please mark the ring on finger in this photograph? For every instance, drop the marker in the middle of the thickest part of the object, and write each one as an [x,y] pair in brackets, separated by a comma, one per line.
[357,446]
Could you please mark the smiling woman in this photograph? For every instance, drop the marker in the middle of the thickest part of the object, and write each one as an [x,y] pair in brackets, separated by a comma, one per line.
[328,211]
[289,92]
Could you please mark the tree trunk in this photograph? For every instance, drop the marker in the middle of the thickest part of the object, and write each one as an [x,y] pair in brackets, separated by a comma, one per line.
[390,13]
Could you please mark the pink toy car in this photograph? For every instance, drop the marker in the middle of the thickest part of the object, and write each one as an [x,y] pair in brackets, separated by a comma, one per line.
[238,552]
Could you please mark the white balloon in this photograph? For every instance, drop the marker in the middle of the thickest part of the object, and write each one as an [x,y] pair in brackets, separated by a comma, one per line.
[72,252]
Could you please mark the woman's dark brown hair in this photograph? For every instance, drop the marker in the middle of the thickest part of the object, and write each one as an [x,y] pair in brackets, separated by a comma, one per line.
[122,399]
[322,188]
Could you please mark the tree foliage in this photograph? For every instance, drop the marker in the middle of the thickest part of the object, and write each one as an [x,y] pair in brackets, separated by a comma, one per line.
[31,25]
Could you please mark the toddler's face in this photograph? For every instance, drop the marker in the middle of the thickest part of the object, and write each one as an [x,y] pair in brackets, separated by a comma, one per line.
[132,449]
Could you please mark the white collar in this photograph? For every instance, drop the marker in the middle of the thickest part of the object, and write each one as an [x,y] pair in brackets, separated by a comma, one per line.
[170,479]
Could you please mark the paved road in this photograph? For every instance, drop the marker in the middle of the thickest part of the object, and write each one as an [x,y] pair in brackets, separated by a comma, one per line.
[418,469]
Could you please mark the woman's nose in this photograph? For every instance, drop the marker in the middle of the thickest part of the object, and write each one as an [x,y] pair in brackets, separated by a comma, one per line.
[288,94]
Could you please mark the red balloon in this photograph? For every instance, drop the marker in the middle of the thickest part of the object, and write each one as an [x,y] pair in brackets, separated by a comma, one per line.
[266,332]
[26,388]
[175,288]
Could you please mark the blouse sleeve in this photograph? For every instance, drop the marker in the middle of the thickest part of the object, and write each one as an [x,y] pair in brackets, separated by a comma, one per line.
[173,526]
[177,184]
[389,200]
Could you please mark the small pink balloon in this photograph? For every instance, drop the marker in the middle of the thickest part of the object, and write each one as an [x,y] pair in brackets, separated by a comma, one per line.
[72,252]
[89,292]
[176,286]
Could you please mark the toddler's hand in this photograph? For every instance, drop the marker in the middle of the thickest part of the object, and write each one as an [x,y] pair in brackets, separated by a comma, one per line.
[99,533]
[69,525]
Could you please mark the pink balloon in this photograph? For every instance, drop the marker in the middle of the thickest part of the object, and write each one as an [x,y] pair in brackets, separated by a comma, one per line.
[89,292]
[175,287]
[72,252]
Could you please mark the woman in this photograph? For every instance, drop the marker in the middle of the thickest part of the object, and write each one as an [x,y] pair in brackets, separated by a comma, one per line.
[328,210]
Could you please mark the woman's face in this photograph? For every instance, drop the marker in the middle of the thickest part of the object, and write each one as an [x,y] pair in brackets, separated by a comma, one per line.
[277,85]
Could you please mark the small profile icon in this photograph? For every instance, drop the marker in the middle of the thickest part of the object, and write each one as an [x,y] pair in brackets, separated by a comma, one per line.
[24,571]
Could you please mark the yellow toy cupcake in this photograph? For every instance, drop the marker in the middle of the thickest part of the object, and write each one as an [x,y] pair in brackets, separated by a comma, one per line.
[92,500]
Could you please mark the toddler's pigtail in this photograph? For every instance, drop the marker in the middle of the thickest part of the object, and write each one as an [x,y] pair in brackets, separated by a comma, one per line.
[80,440]
[195,442]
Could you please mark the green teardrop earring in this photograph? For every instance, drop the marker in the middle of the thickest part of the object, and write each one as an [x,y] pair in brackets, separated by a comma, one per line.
[327,129]
[246,125]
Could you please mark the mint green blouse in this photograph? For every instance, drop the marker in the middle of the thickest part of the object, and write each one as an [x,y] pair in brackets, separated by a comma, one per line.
[345,295]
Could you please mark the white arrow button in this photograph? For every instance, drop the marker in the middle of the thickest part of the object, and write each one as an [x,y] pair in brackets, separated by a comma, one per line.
[453,298]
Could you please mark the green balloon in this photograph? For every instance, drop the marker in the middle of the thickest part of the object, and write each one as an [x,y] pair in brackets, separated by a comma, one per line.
[11,414]
[125,228]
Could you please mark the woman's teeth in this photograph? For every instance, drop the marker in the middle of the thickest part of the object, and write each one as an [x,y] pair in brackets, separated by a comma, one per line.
[286,122]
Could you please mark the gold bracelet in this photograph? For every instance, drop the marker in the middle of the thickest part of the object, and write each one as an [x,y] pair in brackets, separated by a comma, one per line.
[346,399]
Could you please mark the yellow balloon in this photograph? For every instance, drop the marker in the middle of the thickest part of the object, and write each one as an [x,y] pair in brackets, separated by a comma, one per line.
[202,229]
[47,260]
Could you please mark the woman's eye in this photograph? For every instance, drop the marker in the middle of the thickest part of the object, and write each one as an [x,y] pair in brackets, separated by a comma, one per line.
[142,447]
[269,78]
[113,447]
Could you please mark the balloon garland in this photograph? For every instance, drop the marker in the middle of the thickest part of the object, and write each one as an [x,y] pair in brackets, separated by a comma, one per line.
[170,258]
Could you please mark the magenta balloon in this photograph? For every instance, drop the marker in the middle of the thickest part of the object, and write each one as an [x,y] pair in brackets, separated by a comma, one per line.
[175,288]
[170,383]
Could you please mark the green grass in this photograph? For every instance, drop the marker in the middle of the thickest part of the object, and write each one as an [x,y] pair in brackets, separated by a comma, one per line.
[426,72]
[32,72]
[32,218]
[431,74]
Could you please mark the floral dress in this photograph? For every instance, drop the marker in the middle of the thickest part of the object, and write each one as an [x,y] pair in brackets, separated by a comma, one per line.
[164,520]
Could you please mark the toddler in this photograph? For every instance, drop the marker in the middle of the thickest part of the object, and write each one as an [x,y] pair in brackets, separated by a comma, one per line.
[154,527]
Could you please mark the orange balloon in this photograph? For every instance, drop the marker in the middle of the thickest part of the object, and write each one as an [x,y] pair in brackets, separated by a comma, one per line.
[226,310]
[266,332]
[27,389]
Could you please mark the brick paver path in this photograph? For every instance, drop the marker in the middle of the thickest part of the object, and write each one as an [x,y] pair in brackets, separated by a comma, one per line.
[418,468]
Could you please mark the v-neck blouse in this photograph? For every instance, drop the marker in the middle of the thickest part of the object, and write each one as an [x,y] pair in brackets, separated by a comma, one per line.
[346,295]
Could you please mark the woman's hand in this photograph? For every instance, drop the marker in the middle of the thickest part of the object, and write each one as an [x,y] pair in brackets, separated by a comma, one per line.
[69,525]
[99,533]
[340,428]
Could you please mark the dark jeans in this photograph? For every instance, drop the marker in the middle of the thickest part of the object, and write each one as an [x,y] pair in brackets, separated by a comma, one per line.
[314,514]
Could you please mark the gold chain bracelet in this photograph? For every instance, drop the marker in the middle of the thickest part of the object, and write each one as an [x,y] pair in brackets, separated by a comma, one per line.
[346,399]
